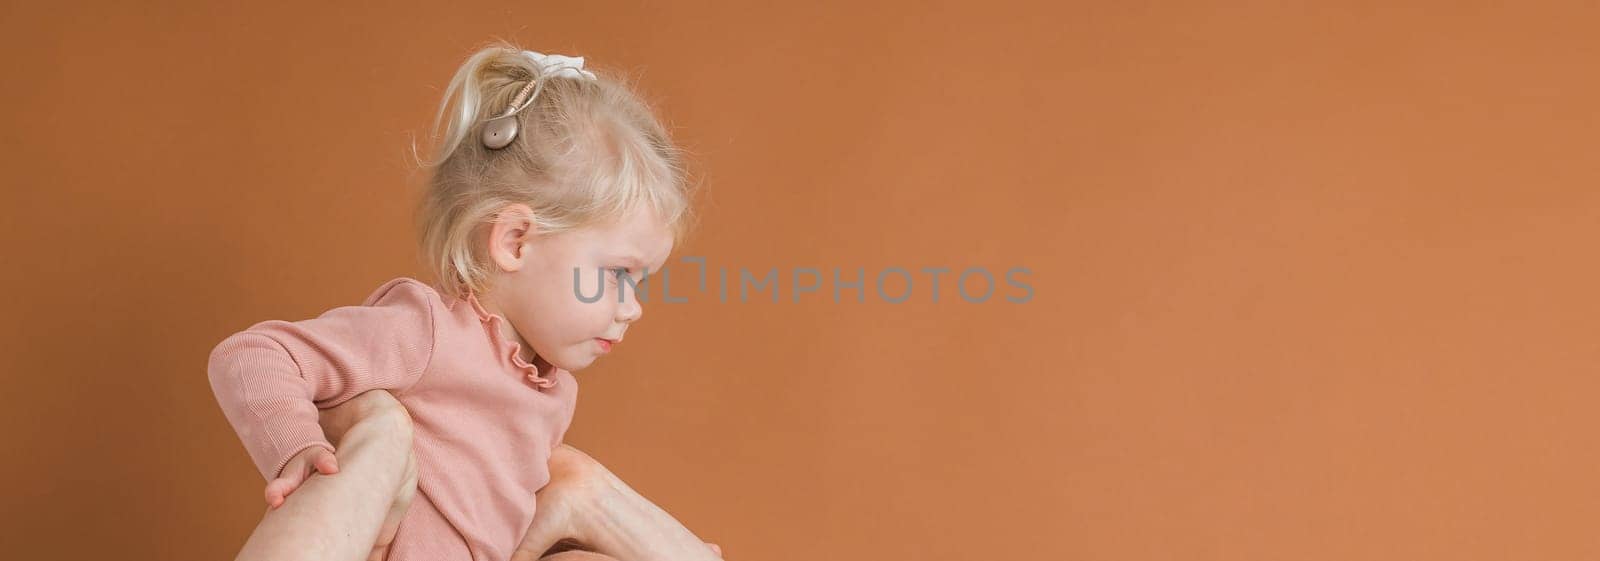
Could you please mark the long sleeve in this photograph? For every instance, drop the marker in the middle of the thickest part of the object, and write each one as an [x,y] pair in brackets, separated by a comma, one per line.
[271,378]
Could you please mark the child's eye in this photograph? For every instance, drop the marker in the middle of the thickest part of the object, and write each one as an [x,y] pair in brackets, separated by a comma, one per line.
[621,272]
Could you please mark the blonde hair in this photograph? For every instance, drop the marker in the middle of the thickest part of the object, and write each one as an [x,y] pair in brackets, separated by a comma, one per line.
[587,151]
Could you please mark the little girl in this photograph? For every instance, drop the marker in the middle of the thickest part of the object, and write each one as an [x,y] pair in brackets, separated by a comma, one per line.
[548,178]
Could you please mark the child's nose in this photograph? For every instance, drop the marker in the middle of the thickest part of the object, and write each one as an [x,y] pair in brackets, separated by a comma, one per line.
[630,310]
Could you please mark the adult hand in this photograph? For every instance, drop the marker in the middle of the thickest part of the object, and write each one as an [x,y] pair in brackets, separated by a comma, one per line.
[569,506]
[555,521]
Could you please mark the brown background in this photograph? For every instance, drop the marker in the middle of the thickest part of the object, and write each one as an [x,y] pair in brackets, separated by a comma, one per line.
[1310,283]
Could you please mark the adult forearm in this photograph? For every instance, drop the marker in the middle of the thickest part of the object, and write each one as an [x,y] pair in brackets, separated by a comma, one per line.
[341,516]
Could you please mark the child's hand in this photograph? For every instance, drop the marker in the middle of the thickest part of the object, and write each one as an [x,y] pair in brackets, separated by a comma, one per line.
[297,470]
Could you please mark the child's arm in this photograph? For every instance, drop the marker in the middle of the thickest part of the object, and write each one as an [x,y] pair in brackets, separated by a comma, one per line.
[271,378]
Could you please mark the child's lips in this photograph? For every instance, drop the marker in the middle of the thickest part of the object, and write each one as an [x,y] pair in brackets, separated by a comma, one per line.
[605,344]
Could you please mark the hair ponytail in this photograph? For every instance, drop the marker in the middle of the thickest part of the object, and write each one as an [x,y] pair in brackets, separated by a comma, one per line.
[480,89]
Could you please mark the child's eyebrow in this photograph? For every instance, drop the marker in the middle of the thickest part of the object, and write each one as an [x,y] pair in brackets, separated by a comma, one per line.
[630,260]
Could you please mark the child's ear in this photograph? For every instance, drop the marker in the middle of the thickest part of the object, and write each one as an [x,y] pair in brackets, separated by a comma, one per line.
[511,233]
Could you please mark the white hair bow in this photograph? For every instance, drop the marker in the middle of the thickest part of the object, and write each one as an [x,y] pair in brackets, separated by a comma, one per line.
[561,65]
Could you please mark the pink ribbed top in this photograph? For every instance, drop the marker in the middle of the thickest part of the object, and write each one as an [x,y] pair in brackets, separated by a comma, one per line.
[485,420]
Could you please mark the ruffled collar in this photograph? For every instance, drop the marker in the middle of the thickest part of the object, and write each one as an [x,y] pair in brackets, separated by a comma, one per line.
[509,348]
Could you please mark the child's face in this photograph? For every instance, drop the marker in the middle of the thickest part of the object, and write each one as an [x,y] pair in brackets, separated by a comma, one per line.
[541,301]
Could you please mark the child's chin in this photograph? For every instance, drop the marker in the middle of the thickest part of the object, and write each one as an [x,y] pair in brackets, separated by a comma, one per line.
[572,365]
[567,362]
